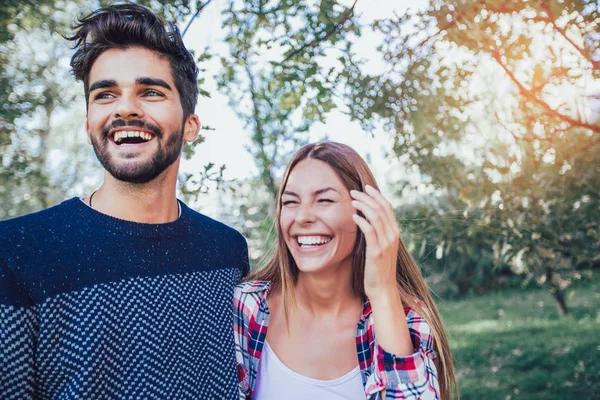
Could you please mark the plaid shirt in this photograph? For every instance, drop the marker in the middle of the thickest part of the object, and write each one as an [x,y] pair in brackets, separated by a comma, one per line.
[411,377]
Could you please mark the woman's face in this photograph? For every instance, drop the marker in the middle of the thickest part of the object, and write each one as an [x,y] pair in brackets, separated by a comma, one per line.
[316,217]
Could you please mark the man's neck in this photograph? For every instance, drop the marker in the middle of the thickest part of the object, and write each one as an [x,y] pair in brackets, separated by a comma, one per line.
[151,203]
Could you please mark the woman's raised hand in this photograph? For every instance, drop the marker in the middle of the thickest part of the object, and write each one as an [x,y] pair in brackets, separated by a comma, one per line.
[382,235]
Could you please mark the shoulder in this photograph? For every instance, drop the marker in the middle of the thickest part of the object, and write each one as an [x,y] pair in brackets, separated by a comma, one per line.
[248,294]
[27,228]
[220,243]
[250,288]
[47,214]
[204,225]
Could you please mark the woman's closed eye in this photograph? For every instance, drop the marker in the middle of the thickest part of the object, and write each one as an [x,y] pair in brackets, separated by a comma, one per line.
[290,203]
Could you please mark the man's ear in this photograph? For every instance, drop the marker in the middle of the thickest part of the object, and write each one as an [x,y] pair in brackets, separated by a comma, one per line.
[191,128]
[87,131]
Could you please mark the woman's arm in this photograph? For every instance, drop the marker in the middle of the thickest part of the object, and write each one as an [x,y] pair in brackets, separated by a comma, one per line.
[382,235]
[403,348]
[390,326]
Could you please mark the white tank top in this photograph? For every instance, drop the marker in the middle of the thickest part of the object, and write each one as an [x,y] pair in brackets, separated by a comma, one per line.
[275,381]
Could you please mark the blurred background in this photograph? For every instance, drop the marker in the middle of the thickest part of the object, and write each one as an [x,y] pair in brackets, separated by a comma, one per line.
[480,119]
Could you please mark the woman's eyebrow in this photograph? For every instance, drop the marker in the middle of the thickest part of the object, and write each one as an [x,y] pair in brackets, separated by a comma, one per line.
[321,191]
[315,193]
[289,193]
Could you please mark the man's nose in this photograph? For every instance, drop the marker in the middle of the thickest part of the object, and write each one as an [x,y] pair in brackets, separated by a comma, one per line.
[128,106]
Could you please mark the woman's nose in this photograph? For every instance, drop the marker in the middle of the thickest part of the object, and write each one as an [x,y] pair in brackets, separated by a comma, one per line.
[305,214]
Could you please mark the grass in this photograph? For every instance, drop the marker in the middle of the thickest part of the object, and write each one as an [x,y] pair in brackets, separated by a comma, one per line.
[513,344]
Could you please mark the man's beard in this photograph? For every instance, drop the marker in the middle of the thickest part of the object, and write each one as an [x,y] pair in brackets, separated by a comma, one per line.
[138,172]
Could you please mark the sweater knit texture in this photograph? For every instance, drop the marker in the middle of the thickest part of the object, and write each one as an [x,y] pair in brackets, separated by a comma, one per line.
[94,307]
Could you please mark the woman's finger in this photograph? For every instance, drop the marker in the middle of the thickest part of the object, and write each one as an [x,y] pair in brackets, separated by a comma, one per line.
[381,200]
[374,218]
[384,212]
[369,233]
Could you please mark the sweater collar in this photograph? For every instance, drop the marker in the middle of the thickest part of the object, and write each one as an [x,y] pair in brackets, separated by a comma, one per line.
[85,214]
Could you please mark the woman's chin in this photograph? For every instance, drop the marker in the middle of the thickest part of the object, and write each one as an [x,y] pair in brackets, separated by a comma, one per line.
[308,267]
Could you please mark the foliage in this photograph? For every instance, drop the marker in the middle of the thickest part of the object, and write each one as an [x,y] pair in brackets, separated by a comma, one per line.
[473,93]
[250,209]
[454,264]
[33,85]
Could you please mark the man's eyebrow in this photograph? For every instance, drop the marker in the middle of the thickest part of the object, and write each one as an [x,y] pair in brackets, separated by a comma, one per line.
[102,84]
[147,81]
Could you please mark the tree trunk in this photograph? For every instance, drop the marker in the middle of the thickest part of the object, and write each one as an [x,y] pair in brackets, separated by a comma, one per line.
[561,304]
[557,293]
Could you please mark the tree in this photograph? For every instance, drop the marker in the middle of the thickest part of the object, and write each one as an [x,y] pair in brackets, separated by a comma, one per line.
[474,93]
[34,86]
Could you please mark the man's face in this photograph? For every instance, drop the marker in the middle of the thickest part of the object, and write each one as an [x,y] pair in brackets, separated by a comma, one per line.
[135,118]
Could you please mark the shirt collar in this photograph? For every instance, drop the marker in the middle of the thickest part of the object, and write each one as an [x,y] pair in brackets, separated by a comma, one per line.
[256,286]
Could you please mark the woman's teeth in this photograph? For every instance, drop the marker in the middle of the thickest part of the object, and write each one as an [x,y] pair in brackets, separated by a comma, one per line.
[313,241]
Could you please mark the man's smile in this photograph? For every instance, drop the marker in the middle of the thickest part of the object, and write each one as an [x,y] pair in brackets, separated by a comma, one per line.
[131,137]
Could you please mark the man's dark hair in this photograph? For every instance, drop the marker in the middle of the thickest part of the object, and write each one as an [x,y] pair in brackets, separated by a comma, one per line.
[124,25]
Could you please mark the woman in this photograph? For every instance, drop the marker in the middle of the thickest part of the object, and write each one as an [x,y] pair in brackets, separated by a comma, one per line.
[323,319]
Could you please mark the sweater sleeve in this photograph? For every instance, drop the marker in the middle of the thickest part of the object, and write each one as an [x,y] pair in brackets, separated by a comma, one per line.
[18,331]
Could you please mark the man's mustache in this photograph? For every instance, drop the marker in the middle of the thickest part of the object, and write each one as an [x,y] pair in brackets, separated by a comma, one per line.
[134,123]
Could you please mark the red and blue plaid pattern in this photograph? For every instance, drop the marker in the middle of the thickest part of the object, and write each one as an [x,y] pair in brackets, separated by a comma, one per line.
[412,377]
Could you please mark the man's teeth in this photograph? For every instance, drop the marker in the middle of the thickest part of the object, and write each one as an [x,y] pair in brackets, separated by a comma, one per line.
[120,135]
[313,240]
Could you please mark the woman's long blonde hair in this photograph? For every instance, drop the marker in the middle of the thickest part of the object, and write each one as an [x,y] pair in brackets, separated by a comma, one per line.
[280,269]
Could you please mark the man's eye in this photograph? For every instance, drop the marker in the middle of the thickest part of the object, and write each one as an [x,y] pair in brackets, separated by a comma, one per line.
[153,93]
[103,96]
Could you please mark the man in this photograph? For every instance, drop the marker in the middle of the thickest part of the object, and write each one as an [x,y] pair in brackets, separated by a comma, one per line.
[126,293]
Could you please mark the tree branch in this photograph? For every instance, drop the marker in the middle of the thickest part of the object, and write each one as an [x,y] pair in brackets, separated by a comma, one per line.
[552,21]
[347,15]
[533,98]
[515,137]
[194,17]
[259,132]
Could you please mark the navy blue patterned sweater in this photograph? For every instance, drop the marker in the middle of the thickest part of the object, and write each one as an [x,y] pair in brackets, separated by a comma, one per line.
[94,307]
